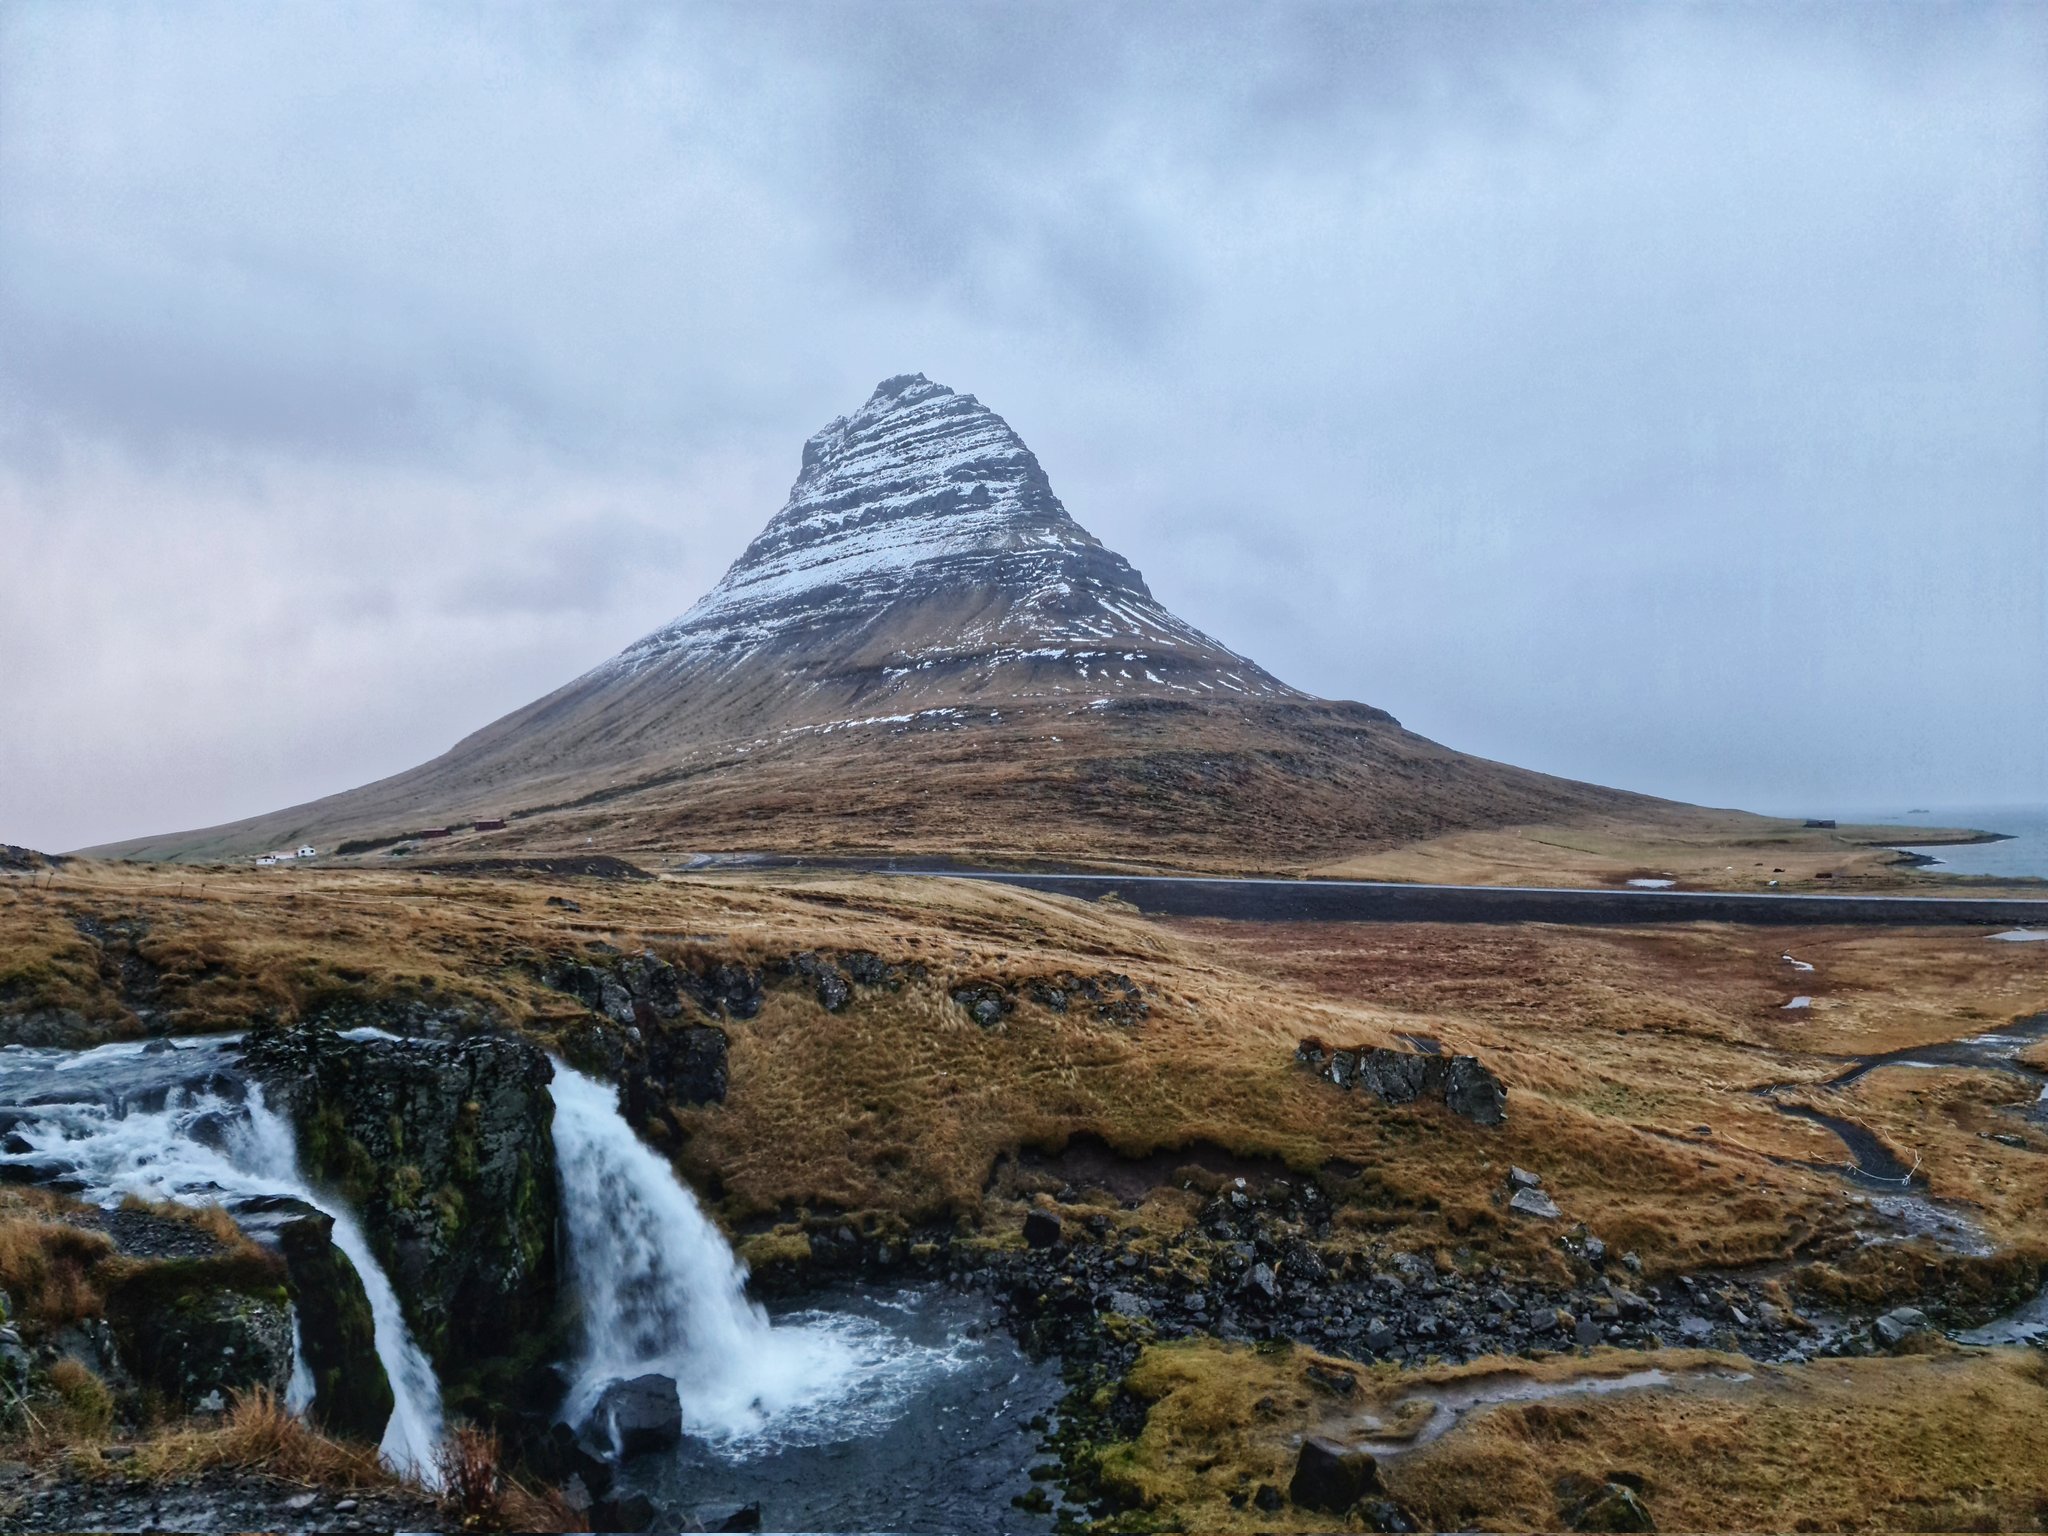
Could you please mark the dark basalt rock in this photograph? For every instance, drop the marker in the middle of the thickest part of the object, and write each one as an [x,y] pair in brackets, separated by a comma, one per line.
[200,1330]
[1110,995]
[1613,1506]
[825,979]
[1041,1229]
[637,1416]
[445,1149]
[351,1394]
[659,1053]
[1332,1477]
[985,1004]
[1460,1083]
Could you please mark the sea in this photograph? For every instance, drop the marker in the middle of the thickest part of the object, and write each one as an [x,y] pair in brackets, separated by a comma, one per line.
[2023,853]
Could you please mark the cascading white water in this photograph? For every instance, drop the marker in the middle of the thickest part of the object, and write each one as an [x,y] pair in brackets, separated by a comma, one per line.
[202,1148]
[661,1291]
[413,1434]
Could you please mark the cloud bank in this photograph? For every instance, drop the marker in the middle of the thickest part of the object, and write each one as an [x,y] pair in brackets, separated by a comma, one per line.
[1652,395]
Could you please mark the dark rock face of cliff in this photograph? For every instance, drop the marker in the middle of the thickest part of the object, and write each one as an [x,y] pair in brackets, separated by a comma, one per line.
[445,1149]
[650,1029]
[655,1024]
[200,1330]
[351,1394]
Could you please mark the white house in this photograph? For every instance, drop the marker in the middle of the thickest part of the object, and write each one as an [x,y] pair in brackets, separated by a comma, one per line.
[307,851]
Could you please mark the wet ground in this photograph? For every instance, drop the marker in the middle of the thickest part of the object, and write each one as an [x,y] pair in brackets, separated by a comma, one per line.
[1441,1407]
[951,1455]
[1872,1162]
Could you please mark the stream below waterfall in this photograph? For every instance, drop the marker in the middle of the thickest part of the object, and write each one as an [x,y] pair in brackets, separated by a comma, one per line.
[944,1446]
[855,1409]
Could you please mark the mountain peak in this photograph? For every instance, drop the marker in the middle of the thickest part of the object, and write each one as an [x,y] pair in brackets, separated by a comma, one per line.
[902,384]
[923,651]
[922,533]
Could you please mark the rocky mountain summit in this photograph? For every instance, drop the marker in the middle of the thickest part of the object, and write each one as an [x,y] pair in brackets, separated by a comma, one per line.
[922,551]
[923,651]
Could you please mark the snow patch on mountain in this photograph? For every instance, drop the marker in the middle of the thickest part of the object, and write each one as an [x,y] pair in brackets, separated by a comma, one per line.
[924,495]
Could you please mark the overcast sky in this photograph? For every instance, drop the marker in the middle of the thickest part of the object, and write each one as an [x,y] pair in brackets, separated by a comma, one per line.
[1657,395]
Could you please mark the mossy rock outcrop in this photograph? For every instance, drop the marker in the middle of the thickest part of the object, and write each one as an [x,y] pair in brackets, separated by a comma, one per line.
[445,1150]
[202,1330]
[352,1394]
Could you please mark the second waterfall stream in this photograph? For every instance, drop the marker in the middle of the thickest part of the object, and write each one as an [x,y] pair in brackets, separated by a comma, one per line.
[661,1291]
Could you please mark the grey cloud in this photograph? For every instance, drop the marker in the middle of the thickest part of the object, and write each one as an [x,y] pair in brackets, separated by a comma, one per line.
[1649,394]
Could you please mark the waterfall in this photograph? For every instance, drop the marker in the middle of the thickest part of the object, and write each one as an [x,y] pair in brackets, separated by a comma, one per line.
[413,1434]
[661,1291]
[178,1125]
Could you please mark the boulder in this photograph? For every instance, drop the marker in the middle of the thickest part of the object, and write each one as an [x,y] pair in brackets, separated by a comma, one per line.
[200,1330]
[1259,1284]
[1041,1228]
[1533,1202]
[1460,1083]
[1611,1507]
[1331,1477]
[985,1004]
[1899,1325]
[637,1416]
[1473,1092]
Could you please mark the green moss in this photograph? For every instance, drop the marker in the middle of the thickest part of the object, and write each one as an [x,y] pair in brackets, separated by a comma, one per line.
[336,1158]
[403,1191]
[450,1210]
[532,1220]
[769,1250]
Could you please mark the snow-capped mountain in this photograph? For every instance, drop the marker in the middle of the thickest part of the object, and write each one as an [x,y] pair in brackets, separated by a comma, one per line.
[922,651]
[921,498]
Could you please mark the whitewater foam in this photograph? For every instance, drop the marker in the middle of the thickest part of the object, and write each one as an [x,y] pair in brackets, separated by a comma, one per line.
[210,1139]
[661,1291]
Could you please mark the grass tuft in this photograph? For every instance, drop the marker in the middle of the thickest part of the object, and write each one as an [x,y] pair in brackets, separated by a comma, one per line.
[480,1495]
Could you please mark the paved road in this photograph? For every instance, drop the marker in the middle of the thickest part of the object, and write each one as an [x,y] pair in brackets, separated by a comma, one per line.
[1368,901]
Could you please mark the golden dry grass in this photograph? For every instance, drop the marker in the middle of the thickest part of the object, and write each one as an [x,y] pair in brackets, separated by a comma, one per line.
[1631,1060]
[1931,1443]
[481,1495]
[1702,850]
[84,1407]
[49,1268]
[1954,1441]
[1630,1056]
[259,1434]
